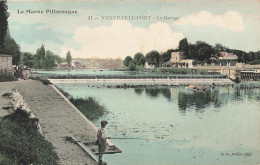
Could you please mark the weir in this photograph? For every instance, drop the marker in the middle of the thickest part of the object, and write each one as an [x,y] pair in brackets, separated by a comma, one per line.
[166,82]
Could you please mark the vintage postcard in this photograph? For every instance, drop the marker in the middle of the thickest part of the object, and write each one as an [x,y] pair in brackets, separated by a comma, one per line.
[122,82]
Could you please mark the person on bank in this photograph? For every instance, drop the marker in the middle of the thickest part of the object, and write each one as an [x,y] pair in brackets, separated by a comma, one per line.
[101,140]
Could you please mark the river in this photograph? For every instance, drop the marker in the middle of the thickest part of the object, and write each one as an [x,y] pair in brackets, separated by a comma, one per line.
[173,125]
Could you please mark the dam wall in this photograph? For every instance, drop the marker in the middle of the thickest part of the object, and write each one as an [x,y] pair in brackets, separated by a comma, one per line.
[166,82]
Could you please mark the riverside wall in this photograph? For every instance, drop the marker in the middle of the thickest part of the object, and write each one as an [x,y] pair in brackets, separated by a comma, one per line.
[165,82]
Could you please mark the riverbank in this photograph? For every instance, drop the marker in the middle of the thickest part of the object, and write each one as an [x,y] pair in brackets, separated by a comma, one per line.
[58,119]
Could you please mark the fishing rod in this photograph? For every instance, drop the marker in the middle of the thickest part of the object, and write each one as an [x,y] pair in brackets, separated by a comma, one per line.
[122,138]
[128,138]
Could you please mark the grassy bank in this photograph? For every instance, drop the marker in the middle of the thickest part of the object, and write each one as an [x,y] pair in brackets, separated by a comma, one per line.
[21,142]
[89,107]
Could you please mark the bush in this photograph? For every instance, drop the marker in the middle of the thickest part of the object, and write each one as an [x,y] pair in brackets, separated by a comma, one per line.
[139,68]
[131,66]
[89,107]
[6,76]
[176,70]
[21,142]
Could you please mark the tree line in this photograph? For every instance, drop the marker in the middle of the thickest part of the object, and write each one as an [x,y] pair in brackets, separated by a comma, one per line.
[43,59]
[200,52]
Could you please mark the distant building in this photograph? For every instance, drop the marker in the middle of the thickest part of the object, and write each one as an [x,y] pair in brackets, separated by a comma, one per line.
[76,64]
[227,56]
[6,62]
[225,59]
[63,65]
[177,56]
[147,66]
[179,60]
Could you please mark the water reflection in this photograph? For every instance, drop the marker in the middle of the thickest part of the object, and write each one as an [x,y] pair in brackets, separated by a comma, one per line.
[200,99]
[154,92]
[139,90]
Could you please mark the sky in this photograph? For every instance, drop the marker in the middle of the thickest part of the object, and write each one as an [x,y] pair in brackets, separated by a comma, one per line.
[120,28]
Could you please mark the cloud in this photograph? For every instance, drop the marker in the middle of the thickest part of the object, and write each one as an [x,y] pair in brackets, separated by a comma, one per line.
[230,20]
[121,39]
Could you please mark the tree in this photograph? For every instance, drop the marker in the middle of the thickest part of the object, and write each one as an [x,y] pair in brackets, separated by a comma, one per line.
[68,57]
[153,58]
[127,60]
[49,60]
[139,59]
[12,48]
[58,59]
[204,51]
[131,66]
[3,24]
[184,46]
[42,52]
[193,53]
[166,56]
[219,48]
[27,59]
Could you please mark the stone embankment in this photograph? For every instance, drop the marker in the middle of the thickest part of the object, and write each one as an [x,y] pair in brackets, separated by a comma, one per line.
[58,119]
[147,82]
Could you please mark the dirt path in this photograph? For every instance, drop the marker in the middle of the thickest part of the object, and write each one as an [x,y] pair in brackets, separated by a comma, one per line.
[57,119]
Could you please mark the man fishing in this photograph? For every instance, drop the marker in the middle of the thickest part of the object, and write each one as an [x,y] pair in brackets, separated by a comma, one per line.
[101,140]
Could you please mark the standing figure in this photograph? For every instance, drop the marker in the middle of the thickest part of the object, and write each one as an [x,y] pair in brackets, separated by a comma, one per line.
[102,139]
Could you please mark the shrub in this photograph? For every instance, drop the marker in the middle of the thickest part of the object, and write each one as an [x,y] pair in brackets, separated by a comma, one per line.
[89,107]
[139,68]
[21,142]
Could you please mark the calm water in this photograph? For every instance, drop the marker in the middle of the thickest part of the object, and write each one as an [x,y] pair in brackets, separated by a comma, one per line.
[177,126]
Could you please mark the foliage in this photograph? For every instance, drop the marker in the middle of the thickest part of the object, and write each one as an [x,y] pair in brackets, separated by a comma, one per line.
[42,53]
[68,57]
[255,62]
[127,60]
[166,56]
[44,59]
[153,58]
[58,59]
[21,142]
[139,59]
[201,71]
[12,48]
[139,68]
[49,59]
[3,24]
[204,51]
[131,66]
[37,59]
[27,59]
[176,70]
[89,107]
[184,46]
[6,76]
